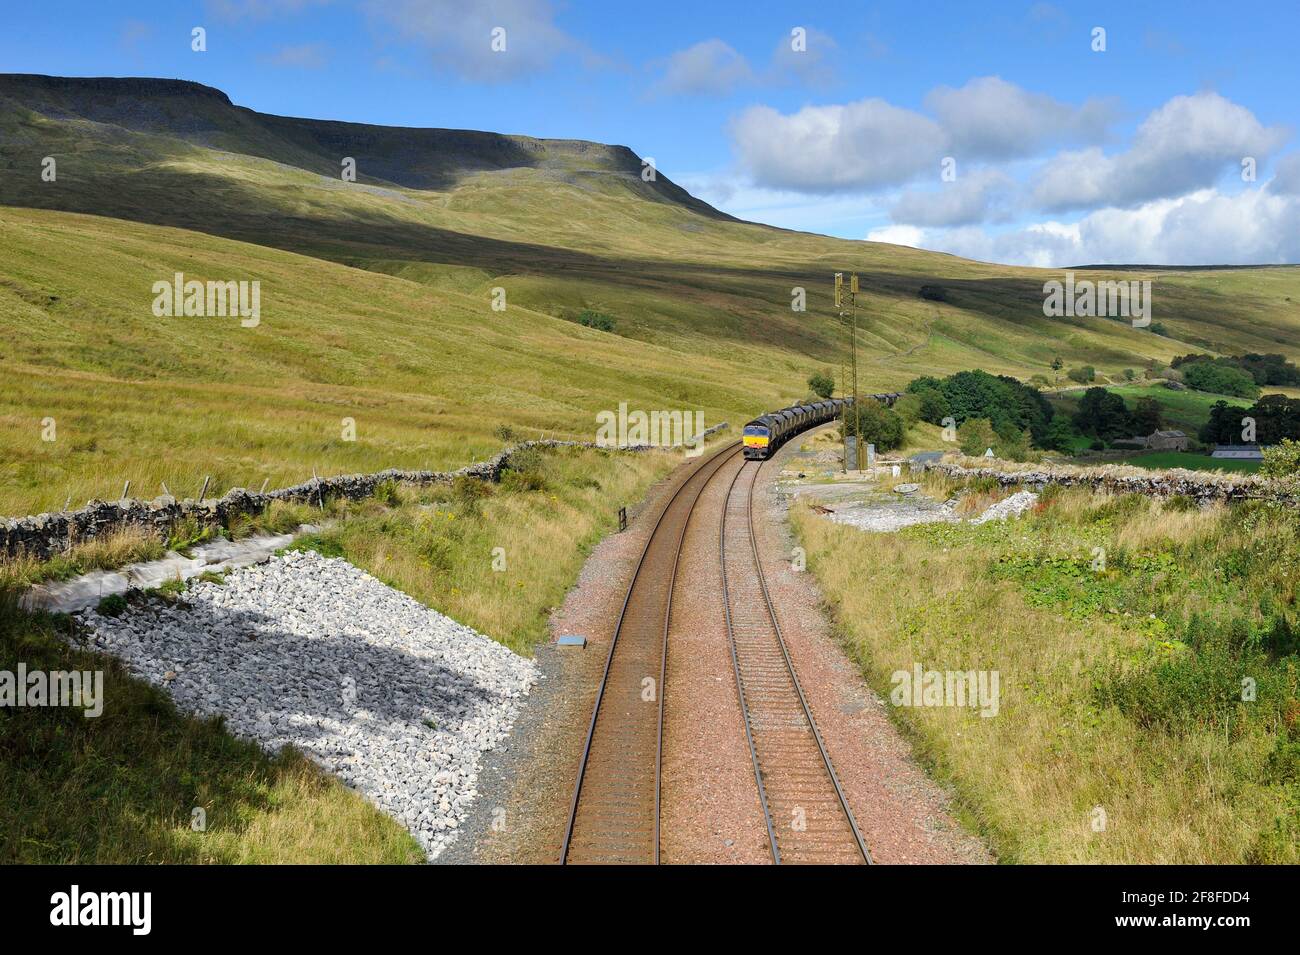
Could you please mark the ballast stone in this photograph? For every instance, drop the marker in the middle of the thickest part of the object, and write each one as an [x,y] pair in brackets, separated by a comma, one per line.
[399,701]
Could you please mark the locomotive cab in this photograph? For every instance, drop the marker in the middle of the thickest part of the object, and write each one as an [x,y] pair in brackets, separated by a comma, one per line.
[757,439]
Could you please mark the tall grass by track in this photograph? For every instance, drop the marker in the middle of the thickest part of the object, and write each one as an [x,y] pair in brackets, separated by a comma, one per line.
[497,558]
[1121,687]
[121,788]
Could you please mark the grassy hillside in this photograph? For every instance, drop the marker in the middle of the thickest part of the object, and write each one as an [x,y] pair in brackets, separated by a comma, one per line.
[1182,408]
[427,375]
[376,295]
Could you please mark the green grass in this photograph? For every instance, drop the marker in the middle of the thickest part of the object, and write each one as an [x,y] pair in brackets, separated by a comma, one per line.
[376,299]
[1121,682]
[121,788]
[1157,460]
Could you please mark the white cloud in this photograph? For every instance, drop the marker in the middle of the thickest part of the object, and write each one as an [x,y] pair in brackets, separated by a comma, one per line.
[1204,228]
[1186,144]
[460,35]
[983,195]
[709,67]
[1286,179]
[989,118]
[821,149]
[814,65]
[898,235]
[870,144]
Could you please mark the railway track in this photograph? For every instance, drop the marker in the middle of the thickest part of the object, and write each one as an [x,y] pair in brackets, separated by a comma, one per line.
[808,818]
[615,811]
[614,814]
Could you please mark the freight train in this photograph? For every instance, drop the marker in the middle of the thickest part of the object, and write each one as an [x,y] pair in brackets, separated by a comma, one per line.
[767,432]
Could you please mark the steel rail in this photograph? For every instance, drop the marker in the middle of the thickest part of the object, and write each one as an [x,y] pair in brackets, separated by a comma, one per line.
[735,666]
[720,457]
[794,678]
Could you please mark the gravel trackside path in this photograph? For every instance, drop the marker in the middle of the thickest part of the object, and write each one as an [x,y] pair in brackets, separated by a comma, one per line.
[399,701]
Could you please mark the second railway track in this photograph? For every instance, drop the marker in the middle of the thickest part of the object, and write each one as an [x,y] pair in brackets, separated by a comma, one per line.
[807,815]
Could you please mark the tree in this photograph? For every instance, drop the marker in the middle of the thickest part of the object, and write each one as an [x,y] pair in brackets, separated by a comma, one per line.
[934,406]
[1057,365]
[1148,416]
[1129,374]
[1103,414]
[597,320]
[1219,377]
[1270,369]
[1282,460]
[975,436]
[1060,435]
[1276,418]
[821,384]
[878,425]
[909,408]
[1082,374]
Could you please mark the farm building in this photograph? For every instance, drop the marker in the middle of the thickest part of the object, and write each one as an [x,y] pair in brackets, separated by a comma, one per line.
[1167,441]
[1239,452]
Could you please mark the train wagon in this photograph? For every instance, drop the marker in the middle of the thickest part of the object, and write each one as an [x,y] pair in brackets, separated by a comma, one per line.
[762,436]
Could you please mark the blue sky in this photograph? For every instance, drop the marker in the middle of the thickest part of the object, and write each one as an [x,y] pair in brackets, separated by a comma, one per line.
[1060,153]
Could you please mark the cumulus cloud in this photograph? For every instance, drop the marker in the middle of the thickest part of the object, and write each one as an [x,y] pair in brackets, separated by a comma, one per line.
[1286,179]
[709,67]
[984,195]
[460,35]
[1204,228]
[1186,144]
[821,149]
[871,143]
[898,235]
[813,64]
[989,118]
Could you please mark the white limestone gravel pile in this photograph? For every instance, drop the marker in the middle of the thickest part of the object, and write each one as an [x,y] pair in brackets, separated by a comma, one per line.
[1012,506]
[396,699]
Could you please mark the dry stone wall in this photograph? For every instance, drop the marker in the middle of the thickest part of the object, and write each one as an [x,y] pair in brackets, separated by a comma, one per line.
[1201,486]
[45,535]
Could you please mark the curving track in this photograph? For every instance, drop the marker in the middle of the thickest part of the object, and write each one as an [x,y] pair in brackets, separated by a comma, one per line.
[615,811]
[808,818]
[614,816]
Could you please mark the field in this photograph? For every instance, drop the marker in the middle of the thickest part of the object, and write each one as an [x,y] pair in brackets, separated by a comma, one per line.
[1193,462]
[1125,732]
[1184,409]
[380,344]
[377,297]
